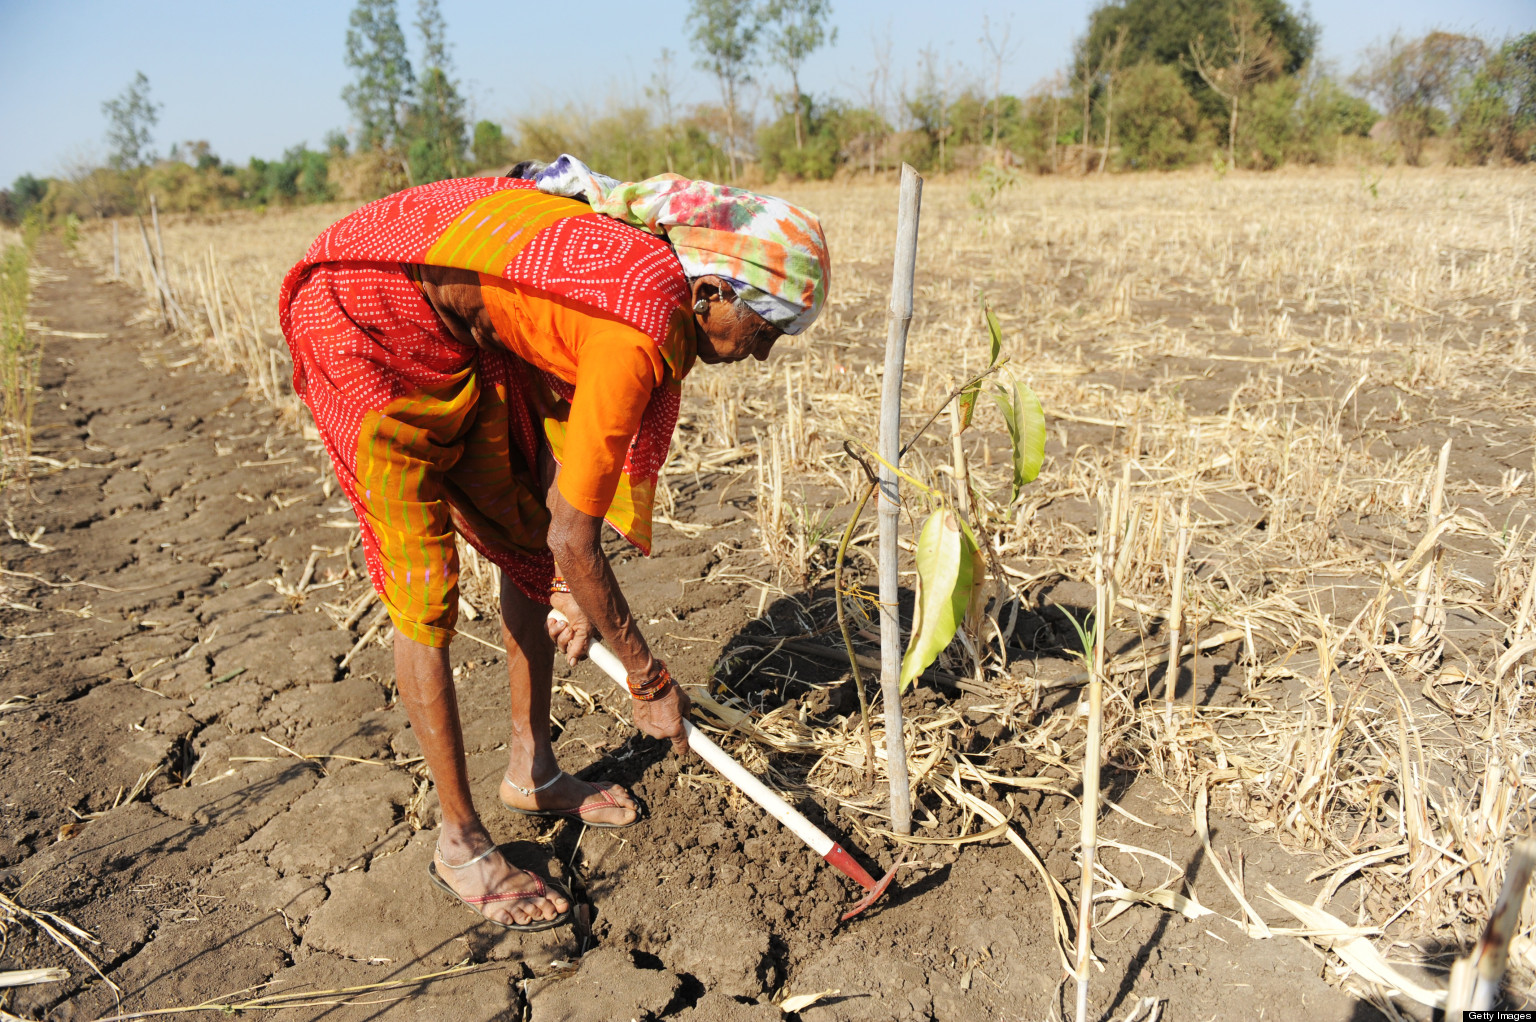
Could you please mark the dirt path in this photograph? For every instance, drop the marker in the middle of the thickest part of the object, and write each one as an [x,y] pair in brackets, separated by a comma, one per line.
[188,773]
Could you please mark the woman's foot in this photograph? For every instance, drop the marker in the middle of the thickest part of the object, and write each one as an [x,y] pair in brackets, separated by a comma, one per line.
[602,805]
[517,892]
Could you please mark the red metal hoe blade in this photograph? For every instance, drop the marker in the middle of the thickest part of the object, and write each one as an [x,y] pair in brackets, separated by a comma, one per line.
[844,862]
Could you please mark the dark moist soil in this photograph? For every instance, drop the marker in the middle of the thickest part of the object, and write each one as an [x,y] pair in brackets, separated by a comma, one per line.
[147,636]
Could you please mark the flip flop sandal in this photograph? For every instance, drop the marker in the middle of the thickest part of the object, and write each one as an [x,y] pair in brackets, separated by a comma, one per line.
[607,802]
[480,901]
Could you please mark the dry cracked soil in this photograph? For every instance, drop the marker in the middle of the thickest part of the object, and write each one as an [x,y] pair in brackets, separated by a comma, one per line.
[189,774]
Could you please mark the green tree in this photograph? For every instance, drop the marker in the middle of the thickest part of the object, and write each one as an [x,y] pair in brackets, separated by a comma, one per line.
[490,147]
[1416,81]
[302,175]
[999,49]
[18,200]
[1273,125]
[810,146]
[1324,116]
[1249,56]
[725,37]
[378,96]
[1157,120]
[1161,31]
[436,124]
[930,107]
[1496,110]
[129,119]
[798,29]
[863,131]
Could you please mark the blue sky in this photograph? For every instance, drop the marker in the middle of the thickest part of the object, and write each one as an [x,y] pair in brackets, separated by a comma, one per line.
[257,78]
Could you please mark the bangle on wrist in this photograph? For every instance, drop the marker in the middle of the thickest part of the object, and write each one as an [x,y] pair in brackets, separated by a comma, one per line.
[652,687]
[558,584]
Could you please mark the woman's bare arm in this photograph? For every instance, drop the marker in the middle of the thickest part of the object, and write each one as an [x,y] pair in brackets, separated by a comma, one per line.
[575,538]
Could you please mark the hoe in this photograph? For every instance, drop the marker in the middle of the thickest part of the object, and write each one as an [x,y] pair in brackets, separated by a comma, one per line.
[760,793]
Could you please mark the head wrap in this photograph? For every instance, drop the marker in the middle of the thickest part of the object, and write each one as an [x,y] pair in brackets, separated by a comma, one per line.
[773,253]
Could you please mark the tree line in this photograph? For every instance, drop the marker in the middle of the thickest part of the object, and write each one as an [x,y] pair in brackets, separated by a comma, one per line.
[1151,84]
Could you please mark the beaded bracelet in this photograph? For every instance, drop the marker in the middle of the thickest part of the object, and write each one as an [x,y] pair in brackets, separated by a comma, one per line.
[559,585]
[652,688]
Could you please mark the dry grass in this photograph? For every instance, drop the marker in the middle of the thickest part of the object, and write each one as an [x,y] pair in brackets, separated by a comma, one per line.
[18,356]
[1286,353]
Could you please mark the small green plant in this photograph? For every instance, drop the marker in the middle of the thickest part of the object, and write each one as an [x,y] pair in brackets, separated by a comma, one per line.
[991,183]
[816,528]
[1370,180]
[70,231]
[951,565]
[1087,634]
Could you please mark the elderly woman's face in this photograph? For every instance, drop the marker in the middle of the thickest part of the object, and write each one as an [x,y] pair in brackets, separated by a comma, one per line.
[730,332]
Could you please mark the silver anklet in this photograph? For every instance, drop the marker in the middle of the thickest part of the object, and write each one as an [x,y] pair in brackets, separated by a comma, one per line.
[533,791]
[464,865]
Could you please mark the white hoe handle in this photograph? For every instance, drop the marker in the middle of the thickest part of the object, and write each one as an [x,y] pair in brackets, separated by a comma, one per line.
[721,760]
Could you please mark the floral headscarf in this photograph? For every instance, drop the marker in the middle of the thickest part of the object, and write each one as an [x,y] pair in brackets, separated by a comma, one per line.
[772,252]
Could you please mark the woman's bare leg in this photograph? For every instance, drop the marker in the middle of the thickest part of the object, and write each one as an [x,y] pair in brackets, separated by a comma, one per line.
[426,689]
[531,757]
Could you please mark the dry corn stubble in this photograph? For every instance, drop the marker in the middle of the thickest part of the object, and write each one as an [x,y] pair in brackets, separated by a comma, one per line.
[1286,352]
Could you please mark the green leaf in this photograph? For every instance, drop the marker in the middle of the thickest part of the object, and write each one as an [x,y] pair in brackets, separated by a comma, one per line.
[1025,419]
[1029,455]
[1087,637]
[967,399]
[949,570]
[993,331]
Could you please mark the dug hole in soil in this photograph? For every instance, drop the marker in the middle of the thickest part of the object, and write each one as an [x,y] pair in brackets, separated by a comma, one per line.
[189,775]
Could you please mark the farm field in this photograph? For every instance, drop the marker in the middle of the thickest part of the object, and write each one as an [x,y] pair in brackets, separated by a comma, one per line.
[202,765]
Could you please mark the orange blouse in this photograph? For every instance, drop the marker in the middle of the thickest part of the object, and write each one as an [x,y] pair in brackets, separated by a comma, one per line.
[613,366]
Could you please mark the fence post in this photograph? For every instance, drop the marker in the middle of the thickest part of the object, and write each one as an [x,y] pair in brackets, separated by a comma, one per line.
[890,450]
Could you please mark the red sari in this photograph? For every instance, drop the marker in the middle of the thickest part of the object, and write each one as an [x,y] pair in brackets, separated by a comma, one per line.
[431,437]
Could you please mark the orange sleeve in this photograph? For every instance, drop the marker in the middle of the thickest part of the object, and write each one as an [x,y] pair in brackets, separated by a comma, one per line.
[614,380]
[531,326]
[617,368]
[613,365]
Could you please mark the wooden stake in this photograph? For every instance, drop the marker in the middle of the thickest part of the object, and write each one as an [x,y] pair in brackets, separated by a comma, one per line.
[154,216]
[1427,576]
[904,268]
[149,257]
[1089,834]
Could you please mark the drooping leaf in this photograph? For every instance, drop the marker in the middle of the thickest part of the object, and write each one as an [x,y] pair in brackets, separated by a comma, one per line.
[948,572]
[1025,419]
[977,603]
[995,332]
